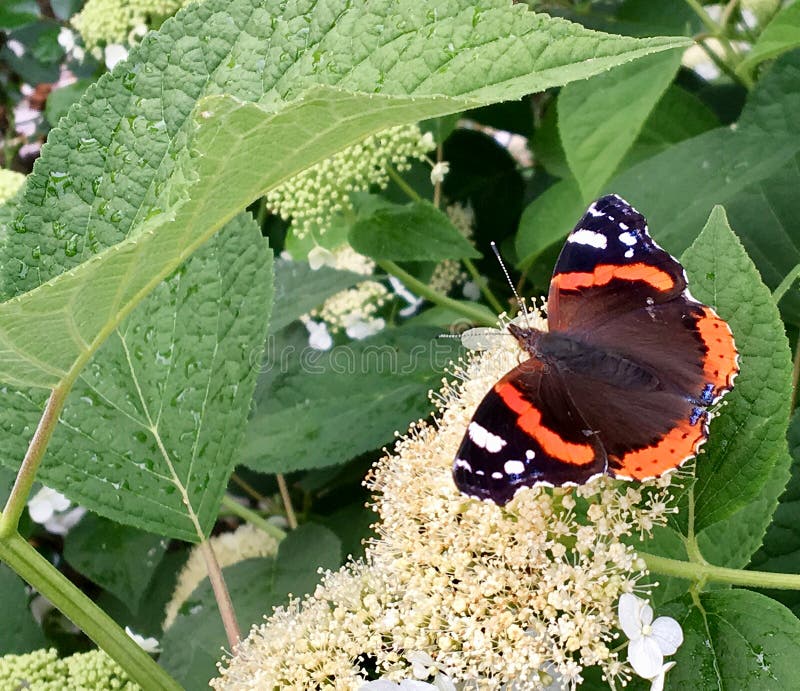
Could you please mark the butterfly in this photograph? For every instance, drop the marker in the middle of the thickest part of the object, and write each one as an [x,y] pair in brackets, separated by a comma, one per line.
[621,383]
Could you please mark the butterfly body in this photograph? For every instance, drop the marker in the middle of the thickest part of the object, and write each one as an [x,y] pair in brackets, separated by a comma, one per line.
[620,384]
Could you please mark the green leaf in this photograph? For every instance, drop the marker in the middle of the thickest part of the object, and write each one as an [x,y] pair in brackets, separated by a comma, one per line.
[60,100]
[116,557]
[191,647]
[148,433]
[781,549]
[150,164]
[299,289]
[414,232]
[600,119]
[19,633]
[18,13]
[736,639]
[305,413]
[548,219]
[780,35]
[749,435]
[751,169]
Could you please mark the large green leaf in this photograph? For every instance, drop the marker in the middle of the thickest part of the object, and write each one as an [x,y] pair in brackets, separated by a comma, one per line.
[192,645]
[151,163]
[148,433]
[414,232]
[749,435]
[750,169]
[316,409]
[736,639]
[116,557]
[599,119]
[780,35]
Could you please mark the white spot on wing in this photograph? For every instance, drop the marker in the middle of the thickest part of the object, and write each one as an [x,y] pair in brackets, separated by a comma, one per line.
[629,253]
[627,238]
[588,237]
[622,225]
[514,467]
[594,212]
[461,463]
[497,476]
[484,438]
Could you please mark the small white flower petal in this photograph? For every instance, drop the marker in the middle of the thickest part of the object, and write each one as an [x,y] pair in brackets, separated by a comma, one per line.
[657,682]
[114,53]
[319,337]
[61,524]
[444,683]
[361,328]
[45,503]
[668,634]
[379,685]
[471,290]
[439,171]
[149,645]
[628,610]
[414,685]
[645,657]
[319,257]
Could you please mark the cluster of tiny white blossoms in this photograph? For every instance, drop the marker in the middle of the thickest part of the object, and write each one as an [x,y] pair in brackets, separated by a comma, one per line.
[312,197]
[10,183]
[520,595]
[106,22]
[246,542]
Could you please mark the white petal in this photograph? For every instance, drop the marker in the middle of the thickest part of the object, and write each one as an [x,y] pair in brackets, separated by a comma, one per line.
[645,657]
[318,336]
[414,685]
[61,524]
[628,609]
[379,685]
[444,683]
[668,634]
[361,328]
[471,290]
[113,54]
[319,257]
[657,682]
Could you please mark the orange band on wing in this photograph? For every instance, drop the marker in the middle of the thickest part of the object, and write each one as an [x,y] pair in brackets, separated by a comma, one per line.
[720,366]
[679,445]
[530,421]
[605,273]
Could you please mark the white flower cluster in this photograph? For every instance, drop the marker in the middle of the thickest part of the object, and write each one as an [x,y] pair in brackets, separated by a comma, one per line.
[311,198]
[461,593]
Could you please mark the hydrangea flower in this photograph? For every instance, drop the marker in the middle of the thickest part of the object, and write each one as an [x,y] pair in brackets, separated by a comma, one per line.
[148,644]
[650,640]
[493,597]
[43,669]
[10,183]
[50,509]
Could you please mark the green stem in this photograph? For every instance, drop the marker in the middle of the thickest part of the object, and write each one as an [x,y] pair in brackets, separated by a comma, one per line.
[705,17]
[252,517]
[692,571]
[33,457]
[785,284]
[471,312]
[484,286]
[102,629]
[402,184]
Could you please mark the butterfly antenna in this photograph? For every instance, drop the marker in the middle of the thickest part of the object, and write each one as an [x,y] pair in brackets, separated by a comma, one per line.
[520,301]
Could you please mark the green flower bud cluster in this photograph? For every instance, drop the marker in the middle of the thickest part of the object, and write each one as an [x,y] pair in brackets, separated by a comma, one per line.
[102,22]
[316,194]
[10,184]
[43,670]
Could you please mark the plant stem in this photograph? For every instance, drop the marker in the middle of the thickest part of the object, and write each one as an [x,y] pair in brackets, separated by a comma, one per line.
[33,457]
[287,501]
[692,571]
[410,192]
[248,489]
[705,17]
[221,595]
[85,614]
[483,284]
[475,314]
[252,517]
[785,284]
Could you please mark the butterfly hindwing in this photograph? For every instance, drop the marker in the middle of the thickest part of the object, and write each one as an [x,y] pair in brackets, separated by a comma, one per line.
[525,432]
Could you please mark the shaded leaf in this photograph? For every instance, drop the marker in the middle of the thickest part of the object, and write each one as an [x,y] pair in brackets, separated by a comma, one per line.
[116,557]
[323,408]
[414,232]
[19,633]
[780,35]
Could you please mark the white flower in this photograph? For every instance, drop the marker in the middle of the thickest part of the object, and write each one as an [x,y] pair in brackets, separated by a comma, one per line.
[438,172]
[114,53]
[359,329]
[62,523]
[319,257]
[401,291]
[149,645]
[45,504]
[649,640]
[471,290]
[427,141]
[319,338]
[657,682]
[16,47]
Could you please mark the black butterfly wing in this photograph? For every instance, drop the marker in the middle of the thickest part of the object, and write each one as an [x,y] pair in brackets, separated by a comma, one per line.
[526,432]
